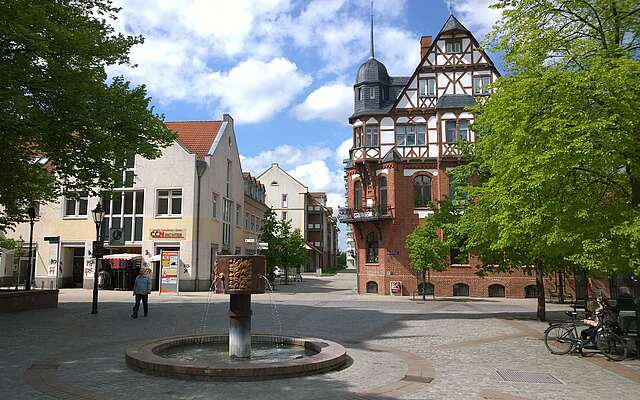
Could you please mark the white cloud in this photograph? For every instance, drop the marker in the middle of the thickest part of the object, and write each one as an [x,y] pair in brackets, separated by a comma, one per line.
[342,152]
[333,102]
[253,90]
[477,16]
[401,50]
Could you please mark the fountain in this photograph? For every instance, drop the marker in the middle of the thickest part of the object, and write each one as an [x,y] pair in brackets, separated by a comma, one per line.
[238,355]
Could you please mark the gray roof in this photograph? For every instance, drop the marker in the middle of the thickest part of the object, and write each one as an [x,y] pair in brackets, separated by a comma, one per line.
[455,101]
[453,24]
[372,71]
[400,80]
[392,156]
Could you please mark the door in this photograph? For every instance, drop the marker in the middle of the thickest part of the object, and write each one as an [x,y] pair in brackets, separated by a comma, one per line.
[78,266]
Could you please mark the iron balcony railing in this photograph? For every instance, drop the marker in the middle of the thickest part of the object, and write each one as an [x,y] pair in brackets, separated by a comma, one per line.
[364,214]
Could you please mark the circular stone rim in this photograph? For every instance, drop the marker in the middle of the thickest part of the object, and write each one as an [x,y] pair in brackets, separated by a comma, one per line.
[144,358]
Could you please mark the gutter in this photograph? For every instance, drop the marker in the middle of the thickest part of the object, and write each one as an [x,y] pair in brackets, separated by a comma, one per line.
[201,166]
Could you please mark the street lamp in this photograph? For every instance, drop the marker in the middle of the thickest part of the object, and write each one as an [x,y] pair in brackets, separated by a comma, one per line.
[17,254]
[32,211]
[98,216]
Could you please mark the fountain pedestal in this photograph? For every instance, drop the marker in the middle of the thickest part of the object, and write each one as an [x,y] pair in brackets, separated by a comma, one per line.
[242,276]
[240,326]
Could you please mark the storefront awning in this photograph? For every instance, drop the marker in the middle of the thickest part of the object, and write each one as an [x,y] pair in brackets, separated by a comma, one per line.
[122,257]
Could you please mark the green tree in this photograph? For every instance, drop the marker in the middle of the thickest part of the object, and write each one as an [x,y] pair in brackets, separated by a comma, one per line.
[268,234]
[59,111]
[427,250]
[296,252]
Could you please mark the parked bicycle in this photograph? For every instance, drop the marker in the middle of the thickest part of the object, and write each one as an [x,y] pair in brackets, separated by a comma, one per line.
[603,334]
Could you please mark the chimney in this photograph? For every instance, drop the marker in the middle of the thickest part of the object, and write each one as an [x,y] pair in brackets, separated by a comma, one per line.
[425,43]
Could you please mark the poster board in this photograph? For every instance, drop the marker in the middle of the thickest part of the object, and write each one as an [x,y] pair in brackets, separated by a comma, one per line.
[396,288]
[169,271]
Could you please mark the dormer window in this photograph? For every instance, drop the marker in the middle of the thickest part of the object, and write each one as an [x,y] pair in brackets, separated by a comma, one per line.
[454,46]
[427,87]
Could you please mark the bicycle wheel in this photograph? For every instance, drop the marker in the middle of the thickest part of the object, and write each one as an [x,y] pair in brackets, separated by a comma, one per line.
[612,346]
[559,339]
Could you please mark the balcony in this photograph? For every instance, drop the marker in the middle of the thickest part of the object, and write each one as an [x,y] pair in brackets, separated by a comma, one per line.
[364,214]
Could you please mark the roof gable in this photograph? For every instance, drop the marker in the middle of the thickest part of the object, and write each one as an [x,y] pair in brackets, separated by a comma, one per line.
[196,137]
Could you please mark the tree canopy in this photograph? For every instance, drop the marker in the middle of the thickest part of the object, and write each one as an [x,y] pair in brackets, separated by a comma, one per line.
[59,109]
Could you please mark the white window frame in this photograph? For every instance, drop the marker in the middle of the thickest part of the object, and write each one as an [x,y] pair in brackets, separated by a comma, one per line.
[76,214]
[285,203]
[483,85]
[214,205]
[450,46]
[169,198]
[372,93]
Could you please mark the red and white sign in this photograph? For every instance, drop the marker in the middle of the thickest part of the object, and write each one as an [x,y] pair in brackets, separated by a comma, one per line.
[167,234]
[396,288]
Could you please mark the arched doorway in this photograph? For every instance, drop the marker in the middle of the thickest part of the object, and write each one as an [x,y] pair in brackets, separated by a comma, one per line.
[426,287]
[372,287]
[530,292]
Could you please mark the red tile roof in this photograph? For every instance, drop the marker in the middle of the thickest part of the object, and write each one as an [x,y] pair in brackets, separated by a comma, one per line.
[196,136]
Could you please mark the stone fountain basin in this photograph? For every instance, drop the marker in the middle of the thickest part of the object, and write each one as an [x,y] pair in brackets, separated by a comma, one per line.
[325,356]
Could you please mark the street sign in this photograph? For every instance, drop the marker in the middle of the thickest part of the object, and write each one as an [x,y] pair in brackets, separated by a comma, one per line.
[263,246]
[250,240]
[116,237]
[98,249]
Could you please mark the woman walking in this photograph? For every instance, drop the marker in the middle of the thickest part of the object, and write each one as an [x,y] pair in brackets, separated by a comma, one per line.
[141,290]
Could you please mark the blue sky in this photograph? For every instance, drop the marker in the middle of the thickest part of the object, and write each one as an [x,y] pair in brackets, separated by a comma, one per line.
[284,69]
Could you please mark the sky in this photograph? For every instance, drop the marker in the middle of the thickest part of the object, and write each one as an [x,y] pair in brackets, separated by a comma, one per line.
[283,69]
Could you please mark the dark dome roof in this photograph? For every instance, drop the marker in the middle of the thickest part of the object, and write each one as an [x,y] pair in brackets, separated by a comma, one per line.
[372,71]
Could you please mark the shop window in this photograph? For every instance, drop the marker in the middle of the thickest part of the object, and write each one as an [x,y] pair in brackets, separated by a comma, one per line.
[372,248]
[169,202]
[76,206]
[372,287]
[421,191]
[425,288]
[496,290]
[531,291]
[461,290]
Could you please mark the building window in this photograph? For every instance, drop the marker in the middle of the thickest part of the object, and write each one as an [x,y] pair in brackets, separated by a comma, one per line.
[253,222]
[481,84]
[411,135]
[127,177]
[284,215]
[357,195]
[284,200]
[427,87]
[360,94]
[238,215]
[371,136]
[76,206]
[454,46]
[229,176]
[246,221]
[227,207]
[382,194]
[450,128]
[125,210]
[459,254]
[372,248]
[496,290]
[169,202]
[457,130]
[463,129]
[461,289]
[372,93]
[425,288]
[531,291]
[372,287]
[421,191]
[214,206]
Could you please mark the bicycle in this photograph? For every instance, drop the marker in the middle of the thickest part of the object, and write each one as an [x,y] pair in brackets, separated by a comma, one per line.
[562,338]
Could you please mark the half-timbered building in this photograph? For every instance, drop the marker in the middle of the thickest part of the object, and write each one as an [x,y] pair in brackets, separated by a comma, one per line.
[405,135]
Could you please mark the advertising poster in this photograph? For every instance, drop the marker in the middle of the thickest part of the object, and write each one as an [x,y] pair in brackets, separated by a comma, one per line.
[169,262]
[396,288]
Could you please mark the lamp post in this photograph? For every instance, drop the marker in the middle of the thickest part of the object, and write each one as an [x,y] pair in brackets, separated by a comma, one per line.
[98,215]
[33,213]
[17,254]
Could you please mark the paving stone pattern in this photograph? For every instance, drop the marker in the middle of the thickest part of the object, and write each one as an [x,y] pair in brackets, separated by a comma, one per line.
[400,349]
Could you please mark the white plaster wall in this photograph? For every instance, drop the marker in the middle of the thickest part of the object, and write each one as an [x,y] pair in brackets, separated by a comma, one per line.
[296,196]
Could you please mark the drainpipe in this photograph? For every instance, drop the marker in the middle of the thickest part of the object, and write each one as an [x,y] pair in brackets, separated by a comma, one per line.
[201,166]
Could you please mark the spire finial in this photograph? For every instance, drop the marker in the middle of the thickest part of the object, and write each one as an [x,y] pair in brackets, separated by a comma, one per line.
[451,7]
[372,53]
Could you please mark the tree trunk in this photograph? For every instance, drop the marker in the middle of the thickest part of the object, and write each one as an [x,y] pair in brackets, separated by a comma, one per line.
[424,285]
[540,314]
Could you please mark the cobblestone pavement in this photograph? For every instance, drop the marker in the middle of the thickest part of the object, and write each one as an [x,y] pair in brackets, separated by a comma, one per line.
[394,343]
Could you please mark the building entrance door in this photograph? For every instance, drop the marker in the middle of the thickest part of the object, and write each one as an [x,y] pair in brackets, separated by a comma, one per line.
[78,266]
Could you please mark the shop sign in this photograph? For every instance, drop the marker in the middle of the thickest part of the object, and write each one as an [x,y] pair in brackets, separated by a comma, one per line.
[167,234]
[396,288]
[169,261]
